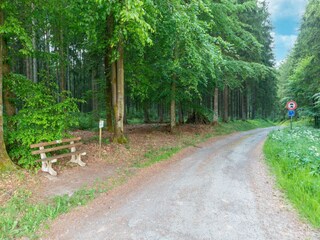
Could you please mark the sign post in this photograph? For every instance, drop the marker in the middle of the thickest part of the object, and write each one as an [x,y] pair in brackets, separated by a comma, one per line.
[101,125]
[291,106]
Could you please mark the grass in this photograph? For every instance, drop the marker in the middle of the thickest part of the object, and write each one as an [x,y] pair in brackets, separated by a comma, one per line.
[152,157]
[20,217]
[294,157]
[235,126]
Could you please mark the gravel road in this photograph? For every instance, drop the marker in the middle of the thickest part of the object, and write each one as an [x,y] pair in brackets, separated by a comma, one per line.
[221,191]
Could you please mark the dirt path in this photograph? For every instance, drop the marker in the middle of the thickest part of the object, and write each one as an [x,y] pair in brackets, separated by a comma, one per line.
[221,191]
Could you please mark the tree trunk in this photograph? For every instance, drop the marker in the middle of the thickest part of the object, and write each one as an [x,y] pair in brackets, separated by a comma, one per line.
[94,94]
[244,106]
[34,59]
[216,106]
[231,105]
[28,68]
[110,126]
[181,115]
[47,50]
[160,112]
[173,107]
[62,72]
[146,112]
[225,104]
[109,73]
[118,97]
[254,103]
[5,162]
[8,95]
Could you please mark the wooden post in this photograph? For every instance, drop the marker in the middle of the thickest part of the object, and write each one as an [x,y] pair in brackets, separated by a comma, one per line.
[101,124]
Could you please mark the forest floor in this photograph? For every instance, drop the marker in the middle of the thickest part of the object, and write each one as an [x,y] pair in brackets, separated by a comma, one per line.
[101,164]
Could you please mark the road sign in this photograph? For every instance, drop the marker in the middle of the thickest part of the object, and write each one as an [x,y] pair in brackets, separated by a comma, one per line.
[291,113]
[291,105]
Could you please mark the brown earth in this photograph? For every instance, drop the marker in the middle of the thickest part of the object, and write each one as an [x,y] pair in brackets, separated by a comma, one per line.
[142,138]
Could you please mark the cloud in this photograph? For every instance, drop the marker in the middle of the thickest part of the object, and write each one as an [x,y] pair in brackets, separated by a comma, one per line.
[286,41]
[283,45]
[285,16]
[286,8]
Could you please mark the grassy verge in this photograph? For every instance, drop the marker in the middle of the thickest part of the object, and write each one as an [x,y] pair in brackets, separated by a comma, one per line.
[294,157]
[235,126]
[20,217]
[152,157]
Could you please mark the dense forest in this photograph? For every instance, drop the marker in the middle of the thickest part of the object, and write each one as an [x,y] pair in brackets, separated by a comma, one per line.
[171,61]
[299,76]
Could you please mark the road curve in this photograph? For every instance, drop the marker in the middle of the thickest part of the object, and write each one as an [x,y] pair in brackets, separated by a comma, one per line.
[221,191]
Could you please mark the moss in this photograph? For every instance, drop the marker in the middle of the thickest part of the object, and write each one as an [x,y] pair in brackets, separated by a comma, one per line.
[5,162]
[7,166]
[120,139]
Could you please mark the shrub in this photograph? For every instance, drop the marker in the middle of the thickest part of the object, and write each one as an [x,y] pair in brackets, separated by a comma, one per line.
[86,121]
[41,117]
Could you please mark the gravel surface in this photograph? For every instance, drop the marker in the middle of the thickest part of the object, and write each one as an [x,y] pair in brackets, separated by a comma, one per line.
[222,190]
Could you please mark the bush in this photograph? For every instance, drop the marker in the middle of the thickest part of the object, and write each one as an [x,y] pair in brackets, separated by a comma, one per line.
[86,121]
[40,117]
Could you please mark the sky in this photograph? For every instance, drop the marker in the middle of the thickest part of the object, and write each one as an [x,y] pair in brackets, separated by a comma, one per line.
[285,16]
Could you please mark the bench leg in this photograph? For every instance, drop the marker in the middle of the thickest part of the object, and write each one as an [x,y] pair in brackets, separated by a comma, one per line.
[44,166]
[47,167]
[77,159]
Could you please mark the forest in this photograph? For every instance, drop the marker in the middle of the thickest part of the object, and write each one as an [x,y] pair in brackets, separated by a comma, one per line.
[299,75]
[67,64]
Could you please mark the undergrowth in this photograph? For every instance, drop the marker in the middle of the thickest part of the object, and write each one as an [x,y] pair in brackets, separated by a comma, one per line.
[22,217]
[294,156]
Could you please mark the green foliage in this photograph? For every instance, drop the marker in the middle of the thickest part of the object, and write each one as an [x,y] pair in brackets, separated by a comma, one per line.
[153,157]
[234,126]
[299,75]
[86,121]
[21,218]
[300,145]
[40,118]
[13,28]
[317,99]
[294,158]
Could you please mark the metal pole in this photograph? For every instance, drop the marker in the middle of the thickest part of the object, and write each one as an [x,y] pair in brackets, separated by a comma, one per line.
[291,122]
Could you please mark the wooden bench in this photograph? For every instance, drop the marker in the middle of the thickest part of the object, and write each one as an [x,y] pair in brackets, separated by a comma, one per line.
[57,145]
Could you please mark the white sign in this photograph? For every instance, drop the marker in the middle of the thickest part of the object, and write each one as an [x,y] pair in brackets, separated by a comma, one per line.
[101,124]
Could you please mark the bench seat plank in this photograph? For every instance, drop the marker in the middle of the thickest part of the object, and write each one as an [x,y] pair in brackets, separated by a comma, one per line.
[43,144]
[56,148]
[61,156]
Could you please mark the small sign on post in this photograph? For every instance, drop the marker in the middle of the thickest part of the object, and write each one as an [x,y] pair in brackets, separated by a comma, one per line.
[101,125]
[291,106]
[291,113]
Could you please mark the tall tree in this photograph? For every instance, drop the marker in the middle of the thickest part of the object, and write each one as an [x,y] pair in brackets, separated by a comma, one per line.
[126,19]
[5,162]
